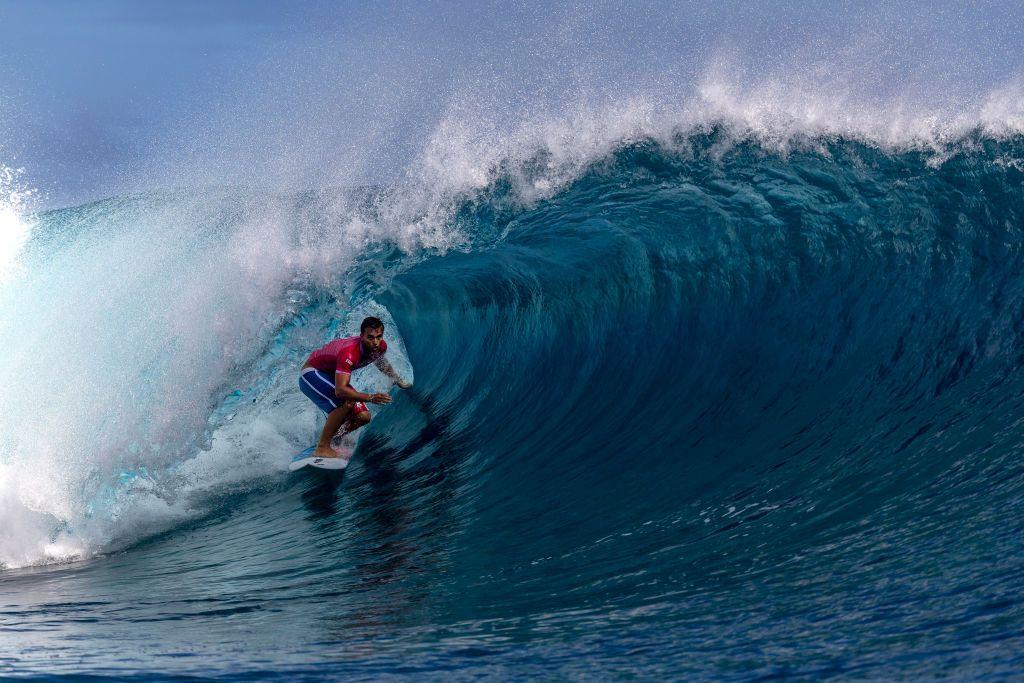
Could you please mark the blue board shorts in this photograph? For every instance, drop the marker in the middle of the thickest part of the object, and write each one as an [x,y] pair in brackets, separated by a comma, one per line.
[319,389]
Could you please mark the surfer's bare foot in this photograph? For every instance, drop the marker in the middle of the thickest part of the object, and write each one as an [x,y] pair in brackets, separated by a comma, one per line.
[325,452]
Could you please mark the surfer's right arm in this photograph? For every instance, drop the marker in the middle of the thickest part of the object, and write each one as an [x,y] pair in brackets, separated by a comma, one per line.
[344,391]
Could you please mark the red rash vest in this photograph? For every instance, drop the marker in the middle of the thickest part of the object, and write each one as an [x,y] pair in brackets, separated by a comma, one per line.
[342,356]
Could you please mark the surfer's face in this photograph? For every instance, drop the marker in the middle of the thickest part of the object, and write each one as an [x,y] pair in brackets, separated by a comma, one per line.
[372,338]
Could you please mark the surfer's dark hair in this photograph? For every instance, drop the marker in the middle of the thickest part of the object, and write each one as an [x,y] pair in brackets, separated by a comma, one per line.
[371,323]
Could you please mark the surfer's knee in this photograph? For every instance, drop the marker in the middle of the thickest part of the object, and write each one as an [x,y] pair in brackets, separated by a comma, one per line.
[362,418]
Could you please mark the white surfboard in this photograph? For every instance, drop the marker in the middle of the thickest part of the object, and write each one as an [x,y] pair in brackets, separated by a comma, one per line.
[306,458]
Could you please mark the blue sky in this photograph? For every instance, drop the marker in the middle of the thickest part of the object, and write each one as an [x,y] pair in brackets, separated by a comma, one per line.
[101,98]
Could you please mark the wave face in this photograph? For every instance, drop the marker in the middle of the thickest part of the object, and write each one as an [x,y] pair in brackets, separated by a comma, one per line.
[700,409]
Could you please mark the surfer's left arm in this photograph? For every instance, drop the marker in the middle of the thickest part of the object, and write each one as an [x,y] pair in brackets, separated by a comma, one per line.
[384,366]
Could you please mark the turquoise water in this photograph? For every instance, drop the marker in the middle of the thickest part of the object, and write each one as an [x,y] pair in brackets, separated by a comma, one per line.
[698,410]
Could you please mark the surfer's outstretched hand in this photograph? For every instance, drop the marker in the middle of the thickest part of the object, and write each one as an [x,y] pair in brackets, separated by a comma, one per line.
[380,399]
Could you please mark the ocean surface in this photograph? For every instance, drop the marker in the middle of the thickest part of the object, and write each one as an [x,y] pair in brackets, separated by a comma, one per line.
[699,404]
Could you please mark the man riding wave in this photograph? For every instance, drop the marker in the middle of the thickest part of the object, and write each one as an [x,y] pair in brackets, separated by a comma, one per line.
[324,379]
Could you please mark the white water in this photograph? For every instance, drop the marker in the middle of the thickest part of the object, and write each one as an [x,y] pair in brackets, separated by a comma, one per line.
[129,324]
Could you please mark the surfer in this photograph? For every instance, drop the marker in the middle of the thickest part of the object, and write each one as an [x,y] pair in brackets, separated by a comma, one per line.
[324,379]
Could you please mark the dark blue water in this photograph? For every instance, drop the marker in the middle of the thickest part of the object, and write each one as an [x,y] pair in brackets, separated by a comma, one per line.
[702,412]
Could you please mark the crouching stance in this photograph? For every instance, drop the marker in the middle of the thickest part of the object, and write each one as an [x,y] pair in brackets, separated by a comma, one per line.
[325,381]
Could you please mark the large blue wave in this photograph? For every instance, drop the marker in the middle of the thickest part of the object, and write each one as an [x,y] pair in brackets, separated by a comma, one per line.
[704,404]
[685,370]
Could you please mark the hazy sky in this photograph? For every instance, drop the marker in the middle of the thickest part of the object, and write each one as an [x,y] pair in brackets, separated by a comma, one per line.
[100,98]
